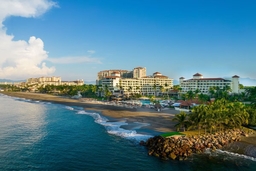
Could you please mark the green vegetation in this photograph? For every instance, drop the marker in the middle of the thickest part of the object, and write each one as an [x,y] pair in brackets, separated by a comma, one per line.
[182,121]
[10,87]
[216,116]
[227,111]
[62,90]
[168,134]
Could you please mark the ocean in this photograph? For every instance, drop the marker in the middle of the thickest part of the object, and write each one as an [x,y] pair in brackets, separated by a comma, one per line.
[37,135]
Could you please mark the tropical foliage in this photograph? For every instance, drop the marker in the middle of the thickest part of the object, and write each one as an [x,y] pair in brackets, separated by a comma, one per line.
[216,116]
[182,121]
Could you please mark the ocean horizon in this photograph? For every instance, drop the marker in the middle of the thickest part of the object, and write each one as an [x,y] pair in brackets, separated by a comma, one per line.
[36,135]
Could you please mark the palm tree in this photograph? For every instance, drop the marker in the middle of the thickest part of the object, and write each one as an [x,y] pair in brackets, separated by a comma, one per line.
[138,89]
[94,88]
[178,89]
[190,94]
[154,87]
[196,92]
[181,120]
[162,89]
[107,93]
[100,91]
[121,87]
[166,90]
[252,115]
[198,117]
[129,90]
[238,115]
[212,92]
[251,94]
[203,98]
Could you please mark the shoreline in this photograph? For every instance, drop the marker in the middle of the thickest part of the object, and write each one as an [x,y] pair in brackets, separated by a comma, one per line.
[143,118]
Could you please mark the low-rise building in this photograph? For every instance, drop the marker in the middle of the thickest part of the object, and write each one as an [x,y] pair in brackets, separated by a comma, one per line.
[52,81]
[35,83]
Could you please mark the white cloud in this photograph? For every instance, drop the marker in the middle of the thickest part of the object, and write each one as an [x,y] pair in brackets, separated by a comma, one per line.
[73,60]
[24,8]
[91,51]
[22,59]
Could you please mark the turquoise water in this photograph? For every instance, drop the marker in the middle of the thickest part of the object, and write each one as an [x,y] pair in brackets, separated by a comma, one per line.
[44,136]
[145,102]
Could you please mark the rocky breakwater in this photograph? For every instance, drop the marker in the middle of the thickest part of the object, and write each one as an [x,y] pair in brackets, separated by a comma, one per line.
[181,147]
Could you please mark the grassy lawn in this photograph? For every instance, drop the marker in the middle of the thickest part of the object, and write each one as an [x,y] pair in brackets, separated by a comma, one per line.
[196,132]
[171,134]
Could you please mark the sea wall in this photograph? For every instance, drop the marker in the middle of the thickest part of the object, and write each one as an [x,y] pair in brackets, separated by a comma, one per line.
[179,148]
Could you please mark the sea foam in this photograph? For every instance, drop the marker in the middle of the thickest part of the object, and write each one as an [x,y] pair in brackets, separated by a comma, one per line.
[114,127]
[229,154]
[69,108]
[236,155]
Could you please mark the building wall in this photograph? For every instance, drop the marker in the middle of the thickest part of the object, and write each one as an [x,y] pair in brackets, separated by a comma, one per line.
[204,84]
[52,81]
[144,86]
[139,72]
[107,73]
[136,82]
[235,85]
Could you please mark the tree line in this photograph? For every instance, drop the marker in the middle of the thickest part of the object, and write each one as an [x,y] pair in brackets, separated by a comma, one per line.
[225,112]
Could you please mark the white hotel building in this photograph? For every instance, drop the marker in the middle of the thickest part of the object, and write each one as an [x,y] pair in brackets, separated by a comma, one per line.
[204,84]
[134,82]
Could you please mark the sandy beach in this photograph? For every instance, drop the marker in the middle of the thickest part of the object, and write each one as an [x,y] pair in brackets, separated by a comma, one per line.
[153,120]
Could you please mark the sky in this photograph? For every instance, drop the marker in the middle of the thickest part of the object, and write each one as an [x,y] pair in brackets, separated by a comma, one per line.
[77,39]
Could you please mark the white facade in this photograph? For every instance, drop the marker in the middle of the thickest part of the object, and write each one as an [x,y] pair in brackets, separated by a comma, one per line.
[139,84]
[204,84]
[235,84]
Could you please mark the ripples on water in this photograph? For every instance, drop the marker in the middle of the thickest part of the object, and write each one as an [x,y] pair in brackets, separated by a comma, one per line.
[36,135]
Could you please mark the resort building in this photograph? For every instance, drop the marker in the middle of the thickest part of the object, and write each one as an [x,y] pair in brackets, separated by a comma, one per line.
[134,82]
[198,82]
[45,80]
[52,81]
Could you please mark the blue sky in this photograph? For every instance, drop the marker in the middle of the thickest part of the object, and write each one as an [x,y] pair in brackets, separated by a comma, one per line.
[76,39]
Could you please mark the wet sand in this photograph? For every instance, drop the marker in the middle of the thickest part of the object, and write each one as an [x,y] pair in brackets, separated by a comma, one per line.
[148,118]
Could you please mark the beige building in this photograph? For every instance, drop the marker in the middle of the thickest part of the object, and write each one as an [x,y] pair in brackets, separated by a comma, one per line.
[52,81]
[45,81]
[204,84]
[107,73]
[136,83]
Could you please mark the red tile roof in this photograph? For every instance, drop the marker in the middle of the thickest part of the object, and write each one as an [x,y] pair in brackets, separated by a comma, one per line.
[207,79]
[112,77]
[188,102]
[115,72]
[156,73]
[160,76]
[235,76]
[197,74]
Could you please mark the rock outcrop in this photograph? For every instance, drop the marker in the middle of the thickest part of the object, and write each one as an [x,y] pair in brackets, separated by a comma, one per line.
[179,148]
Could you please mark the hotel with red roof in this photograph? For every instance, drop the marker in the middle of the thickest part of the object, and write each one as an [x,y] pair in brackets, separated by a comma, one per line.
[198,82]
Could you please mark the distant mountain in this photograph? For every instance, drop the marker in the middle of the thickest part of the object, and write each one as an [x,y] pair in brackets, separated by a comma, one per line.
[176,82]
[90,82]
[7,80]
[247,81]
